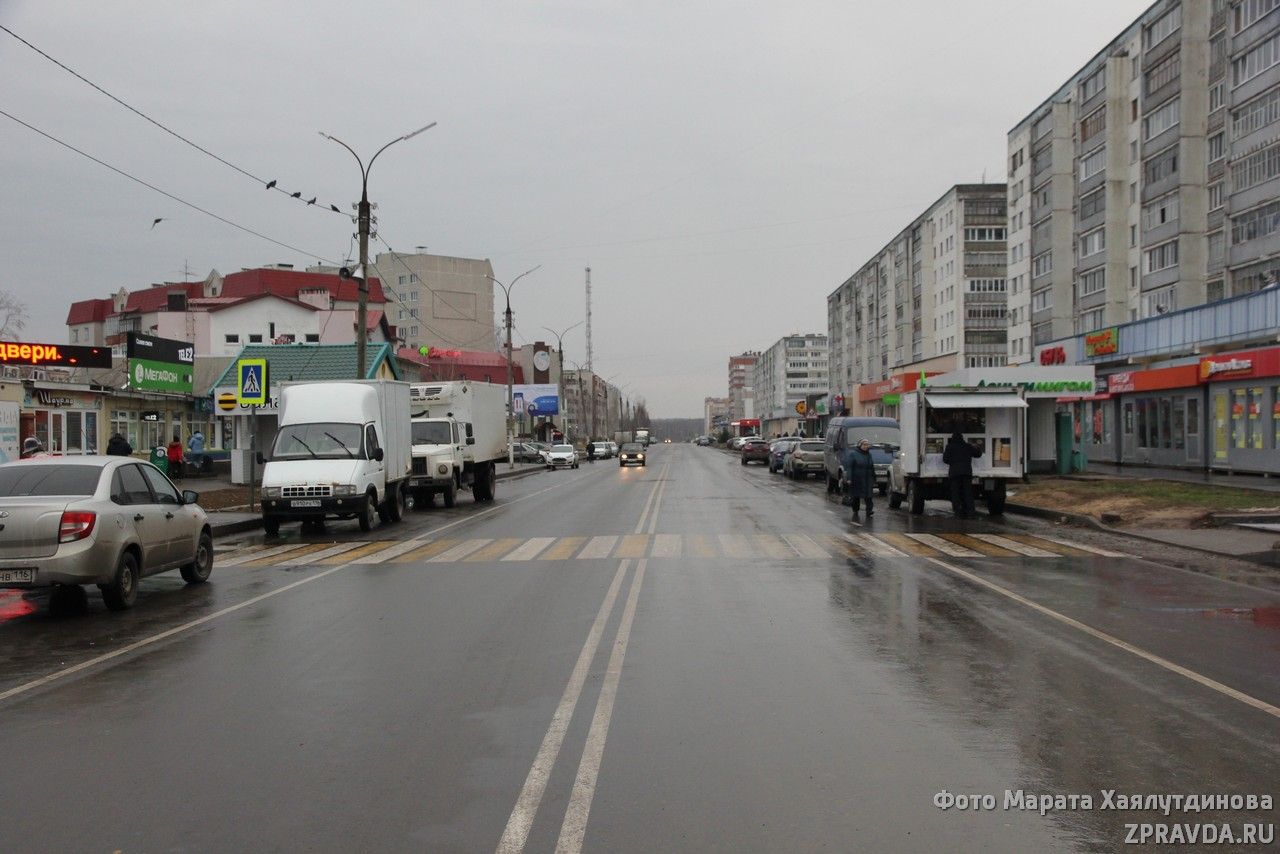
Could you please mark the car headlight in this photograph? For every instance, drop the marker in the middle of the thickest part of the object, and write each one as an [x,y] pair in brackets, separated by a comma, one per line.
[443,468]
[270,492]
[344,489]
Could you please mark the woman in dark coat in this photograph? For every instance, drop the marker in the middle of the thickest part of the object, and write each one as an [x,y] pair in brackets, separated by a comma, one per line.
[959,456]
[118,446]
[860,477]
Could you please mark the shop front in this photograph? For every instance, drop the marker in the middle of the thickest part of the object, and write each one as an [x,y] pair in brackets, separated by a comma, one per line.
[880,400]
[65,418]
[149,421]
[1243,402]
[1160,416]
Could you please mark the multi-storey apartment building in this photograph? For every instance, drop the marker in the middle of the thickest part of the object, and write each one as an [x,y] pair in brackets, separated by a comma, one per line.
[1148,182]
[439,301]
[784,375]
[717,412]
[741,393]
[931,301]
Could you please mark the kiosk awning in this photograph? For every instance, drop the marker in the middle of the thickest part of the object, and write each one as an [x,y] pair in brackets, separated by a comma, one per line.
[975,401]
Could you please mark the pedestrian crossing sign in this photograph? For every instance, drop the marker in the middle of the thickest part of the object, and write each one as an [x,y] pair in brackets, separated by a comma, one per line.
[251,382]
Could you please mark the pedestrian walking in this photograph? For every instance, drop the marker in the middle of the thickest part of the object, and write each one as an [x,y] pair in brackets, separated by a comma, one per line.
[195,449]
[591,451]
[174,454]
[959,456]
[118,446]
[860,477]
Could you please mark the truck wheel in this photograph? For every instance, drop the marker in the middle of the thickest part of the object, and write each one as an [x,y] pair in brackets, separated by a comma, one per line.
[996,499]
[271,526]
[483,487]
[883,488]
[395,502]
[915,497]
[369,514]
[450,495]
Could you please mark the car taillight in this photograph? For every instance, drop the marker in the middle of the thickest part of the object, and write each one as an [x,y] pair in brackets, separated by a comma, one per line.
[75,525]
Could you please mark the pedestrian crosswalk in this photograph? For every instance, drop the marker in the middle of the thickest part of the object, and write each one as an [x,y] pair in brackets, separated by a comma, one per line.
[737,547]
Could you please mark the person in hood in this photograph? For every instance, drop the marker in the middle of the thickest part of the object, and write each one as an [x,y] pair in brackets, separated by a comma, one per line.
[860,477]
[32,447]
[118,446]
[195,450]
[959,456]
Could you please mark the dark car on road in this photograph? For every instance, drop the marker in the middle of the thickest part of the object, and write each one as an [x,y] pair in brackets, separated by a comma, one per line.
[779,450]
[631,453]
[755,450]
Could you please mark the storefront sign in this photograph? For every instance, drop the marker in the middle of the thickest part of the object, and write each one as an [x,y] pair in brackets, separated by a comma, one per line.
[160,364]
[894,385]
[53,400]
[224,394]
[537,400]
[800,407]
[820,407]
[1053,356]
[1180,376]
[56,355]
[1104,342]
[151,415]
[1248,363]
[1209,368]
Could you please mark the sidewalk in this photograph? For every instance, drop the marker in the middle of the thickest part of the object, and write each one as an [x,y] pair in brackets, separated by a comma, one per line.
[1233,481]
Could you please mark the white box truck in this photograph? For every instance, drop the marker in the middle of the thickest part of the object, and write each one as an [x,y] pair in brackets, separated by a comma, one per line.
[459,438]
[993,419]
[342,451]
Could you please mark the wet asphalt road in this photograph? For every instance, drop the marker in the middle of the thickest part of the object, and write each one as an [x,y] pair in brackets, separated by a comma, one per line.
[686,657]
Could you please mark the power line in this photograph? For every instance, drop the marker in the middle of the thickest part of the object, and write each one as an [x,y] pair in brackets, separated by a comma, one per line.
[270,185]
[165,193]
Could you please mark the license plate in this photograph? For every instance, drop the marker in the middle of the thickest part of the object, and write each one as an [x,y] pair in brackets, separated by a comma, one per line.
[305,502]
[17,576]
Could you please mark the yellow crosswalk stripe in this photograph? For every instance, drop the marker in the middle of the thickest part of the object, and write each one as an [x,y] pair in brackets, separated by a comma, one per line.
[666,545]
[804,546]
[875,546]
[531,549]
[700,545]
[774,548]
[459,551]
[563,549]
[496,549]
[253,553]
[987,545]
[904,543]
[841,547]
[288,554]
[598,549]
[313,557]
[1015,546]
[361,550]
[950,549]
[426,551]
[633,545]
[735,546]
[1072,548]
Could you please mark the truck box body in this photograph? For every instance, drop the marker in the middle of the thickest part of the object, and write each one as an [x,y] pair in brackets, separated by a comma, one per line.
[482,405]
[461,435]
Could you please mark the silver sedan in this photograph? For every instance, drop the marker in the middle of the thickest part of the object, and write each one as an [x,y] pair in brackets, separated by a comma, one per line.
[109,521]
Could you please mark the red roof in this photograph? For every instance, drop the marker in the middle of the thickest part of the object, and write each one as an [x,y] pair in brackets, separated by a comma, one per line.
[157,298]
[287,283]
[220,303]
[476,365]
[89,311]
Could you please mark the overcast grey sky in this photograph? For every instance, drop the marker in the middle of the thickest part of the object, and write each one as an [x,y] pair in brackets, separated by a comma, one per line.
[721,166]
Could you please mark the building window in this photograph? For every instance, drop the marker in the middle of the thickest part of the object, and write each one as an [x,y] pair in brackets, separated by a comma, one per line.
[1093,282]
[1087,321]
[1216,249]
[312,338]
[1042,300]
[1094,123]
[1161,166]
[1093,84]
[1217,96]
[1256,114]
[1162,301]
[1217,147]
[1041,332]
[986,286]
[1215,196]
[1041,264]
[255,338]
[231,339]
[403,280]
[1093,163]
[1253,169]
[1162,28]
[1258,222]
[1041,160]
[1162,257]
[1256,61]
[1094,203]
[1093,242]
[1163,118]
[1162,210]
[1042,126]
[1016,160]
[413,277]
[1162,73]
[984,234]
[75,336]
[1250,11]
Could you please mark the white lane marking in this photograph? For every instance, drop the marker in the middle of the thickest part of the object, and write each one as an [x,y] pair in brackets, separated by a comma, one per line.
[574,827]
[259,555]
[597,548]
[804,546]
[531,549]
[665,545]
[734,546]
[1226,690]
[312,557]
[868,543]
[460,551]
[945,546]
[1014,545]
[392,551]
[522,815]
[408,545]
[1082,547]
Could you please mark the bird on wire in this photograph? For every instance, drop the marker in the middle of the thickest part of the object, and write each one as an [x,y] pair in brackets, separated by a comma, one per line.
[296,195]
[271,183]
[156,222]
[312,200]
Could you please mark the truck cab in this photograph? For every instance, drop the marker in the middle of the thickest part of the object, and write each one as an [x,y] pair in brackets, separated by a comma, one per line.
[438,457]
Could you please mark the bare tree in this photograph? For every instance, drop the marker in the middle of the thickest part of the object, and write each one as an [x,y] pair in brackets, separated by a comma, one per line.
[13,316]
[640,414]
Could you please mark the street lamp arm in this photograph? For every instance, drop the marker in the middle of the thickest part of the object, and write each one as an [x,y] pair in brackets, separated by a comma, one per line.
[400,139]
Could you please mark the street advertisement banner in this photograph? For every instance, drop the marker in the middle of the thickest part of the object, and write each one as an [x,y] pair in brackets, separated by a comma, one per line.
[160,364]
[10,416]
[536,400]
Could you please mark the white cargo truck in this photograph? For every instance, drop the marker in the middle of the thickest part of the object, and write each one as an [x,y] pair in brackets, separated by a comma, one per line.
[459,438]
[992,419]
[342,451]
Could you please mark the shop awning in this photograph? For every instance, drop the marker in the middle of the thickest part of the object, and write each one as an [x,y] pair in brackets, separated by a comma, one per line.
[975,401]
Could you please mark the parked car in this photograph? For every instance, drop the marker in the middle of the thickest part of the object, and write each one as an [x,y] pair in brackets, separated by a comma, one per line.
[562,457]
[755,450]
[526,453]
[778,452]
[806,458]
[109,521]
[736,443]
[602,450]
[846,432]
[613,449]
[631,453]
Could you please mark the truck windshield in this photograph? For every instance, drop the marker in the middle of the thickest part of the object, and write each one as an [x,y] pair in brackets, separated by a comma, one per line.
[888,437]
[323,441]
[431,433]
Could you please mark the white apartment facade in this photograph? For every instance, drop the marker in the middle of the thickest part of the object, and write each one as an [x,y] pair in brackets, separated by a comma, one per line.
[440,301]
[793,368]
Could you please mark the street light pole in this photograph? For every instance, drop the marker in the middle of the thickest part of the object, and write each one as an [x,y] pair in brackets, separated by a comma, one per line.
[564,419]
[506,292]
[362,226]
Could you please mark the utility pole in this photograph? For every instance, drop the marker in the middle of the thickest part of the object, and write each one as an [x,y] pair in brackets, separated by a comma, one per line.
[564,410]
[511,401]
[363,220]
